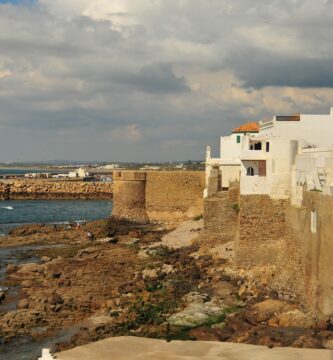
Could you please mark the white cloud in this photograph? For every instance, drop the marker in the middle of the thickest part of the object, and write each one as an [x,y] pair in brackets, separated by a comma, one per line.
[129,133]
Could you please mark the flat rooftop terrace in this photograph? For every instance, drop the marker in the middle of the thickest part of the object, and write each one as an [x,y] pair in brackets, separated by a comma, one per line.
[128,348]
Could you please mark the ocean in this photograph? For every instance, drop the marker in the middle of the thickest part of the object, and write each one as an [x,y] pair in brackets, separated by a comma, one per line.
[19,212]
[15,213]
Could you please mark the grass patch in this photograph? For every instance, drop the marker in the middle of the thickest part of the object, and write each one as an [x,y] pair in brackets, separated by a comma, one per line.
[197,218]
[236,207]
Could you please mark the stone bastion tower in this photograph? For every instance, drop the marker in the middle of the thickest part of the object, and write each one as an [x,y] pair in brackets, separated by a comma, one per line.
[129,196]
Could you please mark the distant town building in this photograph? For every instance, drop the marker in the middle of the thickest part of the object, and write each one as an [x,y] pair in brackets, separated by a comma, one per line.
[79,173]
[37,175]
[150,167]
[111,167]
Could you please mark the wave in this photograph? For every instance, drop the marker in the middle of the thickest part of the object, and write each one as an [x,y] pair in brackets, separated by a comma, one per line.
[7,207]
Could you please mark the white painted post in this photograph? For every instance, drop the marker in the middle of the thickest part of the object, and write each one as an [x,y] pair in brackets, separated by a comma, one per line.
[46,355]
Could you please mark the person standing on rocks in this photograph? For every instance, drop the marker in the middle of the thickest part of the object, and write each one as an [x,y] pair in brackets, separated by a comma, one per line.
[90,236]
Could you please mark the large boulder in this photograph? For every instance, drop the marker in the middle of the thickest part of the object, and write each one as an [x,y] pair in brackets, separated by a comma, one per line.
[265,310]
[29,268]
[198,312]
[295,318]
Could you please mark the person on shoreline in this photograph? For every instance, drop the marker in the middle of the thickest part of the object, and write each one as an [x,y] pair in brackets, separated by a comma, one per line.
[91,237]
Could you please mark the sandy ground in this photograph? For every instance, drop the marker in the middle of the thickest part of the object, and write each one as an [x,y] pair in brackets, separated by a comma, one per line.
[183,235]
[128,348]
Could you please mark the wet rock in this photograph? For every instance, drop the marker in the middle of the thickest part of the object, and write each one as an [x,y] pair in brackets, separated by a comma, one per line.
[149,273]
[206,334]
[26,283]
[129,241]
[55,299]
[198,312]
[307,342]
[105,240]
[23,304]
[11,268]
[54,272]
[238,325]
[46,259]
[295,318]
[87,251]
[328,344]
[265,310]
[167,269]
[29,268]
[223,289]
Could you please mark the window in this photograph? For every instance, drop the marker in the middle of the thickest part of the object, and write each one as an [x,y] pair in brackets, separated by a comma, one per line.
[313,222]
[238,139]
[250,171]
[257,146]
[267,147]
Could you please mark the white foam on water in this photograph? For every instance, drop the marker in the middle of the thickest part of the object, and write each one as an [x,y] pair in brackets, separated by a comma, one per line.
[7,207]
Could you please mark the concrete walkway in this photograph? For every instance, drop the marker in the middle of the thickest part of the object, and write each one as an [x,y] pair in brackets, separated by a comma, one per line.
[131,348]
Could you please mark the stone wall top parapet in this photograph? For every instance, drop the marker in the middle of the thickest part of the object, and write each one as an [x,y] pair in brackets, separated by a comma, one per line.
[129,176]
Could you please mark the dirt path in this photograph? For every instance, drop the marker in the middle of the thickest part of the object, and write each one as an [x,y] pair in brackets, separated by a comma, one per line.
[182,235]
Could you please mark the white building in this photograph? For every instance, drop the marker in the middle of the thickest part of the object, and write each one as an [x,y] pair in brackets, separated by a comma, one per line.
[78,173]
[284,155]
[110,167]
[226,168]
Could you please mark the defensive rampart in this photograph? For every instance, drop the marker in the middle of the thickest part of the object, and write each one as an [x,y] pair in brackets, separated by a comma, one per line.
[130,196]
[262,230]
[158,195]
[29,189]
[310,253]
[221,214]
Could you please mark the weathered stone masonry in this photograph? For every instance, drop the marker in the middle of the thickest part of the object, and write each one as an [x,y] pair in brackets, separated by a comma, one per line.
[130,196]
[221,214]
[262,230]
[298,241]
[158,195]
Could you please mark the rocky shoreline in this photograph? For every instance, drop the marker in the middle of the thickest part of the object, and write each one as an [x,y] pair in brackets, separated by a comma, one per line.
[132,280]
[44,189]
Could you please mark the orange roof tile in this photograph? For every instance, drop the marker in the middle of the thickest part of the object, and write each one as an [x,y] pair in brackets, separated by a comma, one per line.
[248,127]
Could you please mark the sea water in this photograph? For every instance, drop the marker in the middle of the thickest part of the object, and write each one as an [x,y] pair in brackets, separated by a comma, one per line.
[19,212]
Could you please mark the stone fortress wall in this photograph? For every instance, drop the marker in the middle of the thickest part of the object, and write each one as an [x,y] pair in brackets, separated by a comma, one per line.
[158,195]
[298,241]
[33,189]
[129,197]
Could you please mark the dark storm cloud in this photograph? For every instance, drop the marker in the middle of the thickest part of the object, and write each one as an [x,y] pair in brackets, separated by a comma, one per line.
[258,69]
[158,78]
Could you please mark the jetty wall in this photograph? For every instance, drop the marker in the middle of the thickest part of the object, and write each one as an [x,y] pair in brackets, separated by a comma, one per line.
[31,189]
[158,195]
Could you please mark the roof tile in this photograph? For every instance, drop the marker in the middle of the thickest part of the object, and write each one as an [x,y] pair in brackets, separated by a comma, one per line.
[248,127]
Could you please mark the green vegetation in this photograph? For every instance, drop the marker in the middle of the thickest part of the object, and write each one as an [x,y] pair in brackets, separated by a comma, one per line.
[197,218]
[236,207]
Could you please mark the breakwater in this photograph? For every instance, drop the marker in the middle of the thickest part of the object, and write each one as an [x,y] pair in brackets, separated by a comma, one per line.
[30,189]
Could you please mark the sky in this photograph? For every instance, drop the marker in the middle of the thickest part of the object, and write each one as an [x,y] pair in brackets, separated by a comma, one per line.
[154,80]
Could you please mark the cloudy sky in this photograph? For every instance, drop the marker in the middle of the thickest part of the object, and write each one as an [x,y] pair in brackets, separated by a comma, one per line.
[133,80]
